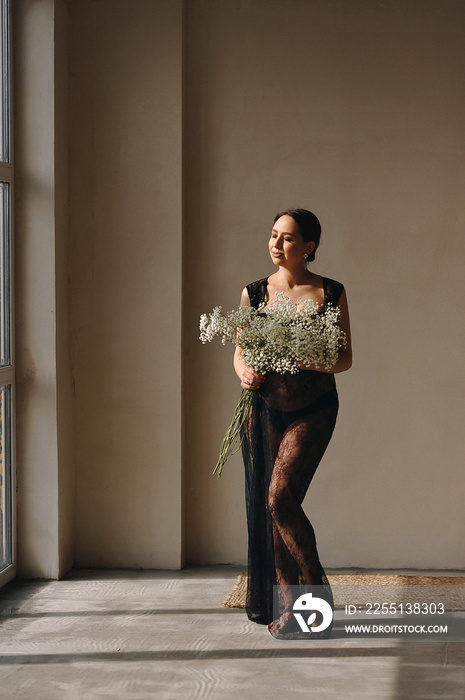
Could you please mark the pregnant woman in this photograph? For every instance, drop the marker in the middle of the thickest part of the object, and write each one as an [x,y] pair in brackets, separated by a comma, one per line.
[290,426]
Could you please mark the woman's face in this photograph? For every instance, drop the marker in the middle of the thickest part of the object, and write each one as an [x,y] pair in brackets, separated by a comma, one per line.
[286,245]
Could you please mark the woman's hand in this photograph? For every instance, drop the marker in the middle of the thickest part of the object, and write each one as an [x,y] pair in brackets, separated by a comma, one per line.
[251,379]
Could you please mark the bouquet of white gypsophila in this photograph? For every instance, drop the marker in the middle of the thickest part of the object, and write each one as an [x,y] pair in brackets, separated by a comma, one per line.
[276,340]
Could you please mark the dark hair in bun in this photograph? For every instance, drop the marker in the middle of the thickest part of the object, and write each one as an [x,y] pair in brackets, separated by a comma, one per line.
[309,226]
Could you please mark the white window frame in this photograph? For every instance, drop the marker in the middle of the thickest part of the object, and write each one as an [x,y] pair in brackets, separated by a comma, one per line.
[7,373]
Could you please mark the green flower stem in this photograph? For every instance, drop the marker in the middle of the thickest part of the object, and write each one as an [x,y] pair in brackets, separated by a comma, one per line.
[232,440]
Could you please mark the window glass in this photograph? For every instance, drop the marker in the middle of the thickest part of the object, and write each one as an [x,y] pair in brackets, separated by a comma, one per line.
[6,548]
[4,83]
[5,340]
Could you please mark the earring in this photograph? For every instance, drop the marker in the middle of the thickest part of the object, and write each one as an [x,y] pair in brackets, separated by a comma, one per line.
[306,261]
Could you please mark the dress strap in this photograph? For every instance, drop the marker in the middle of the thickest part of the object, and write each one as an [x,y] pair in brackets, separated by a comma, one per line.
[257,291]
[333,291]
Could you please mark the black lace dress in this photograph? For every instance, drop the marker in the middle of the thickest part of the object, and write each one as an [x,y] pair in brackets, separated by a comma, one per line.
[290,426]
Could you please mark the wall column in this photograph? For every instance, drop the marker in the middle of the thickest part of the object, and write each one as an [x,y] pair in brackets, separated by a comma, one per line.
[44,425]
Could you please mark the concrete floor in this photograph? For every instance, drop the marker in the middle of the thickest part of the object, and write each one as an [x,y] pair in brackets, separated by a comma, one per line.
[164,634]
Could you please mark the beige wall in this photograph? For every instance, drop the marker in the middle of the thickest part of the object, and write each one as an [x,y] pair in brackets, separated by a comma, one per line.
[125,270]
[353,109]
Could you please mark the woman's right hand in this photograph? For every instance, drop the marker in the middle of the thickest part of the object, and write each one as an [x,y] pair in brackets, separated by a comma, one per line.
[251,379]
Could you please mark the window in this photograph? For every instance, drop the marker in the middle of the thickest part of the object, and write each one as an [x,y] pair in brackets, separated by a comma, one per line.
[7,383]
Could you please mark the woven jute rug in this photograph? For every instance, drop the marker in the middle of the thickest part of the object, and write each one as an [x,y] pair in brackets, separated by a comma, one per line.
[367,588]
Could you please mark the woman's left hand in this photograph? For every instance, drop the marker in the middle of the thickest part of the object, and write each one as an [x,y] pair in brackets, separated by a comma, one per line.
[251,379]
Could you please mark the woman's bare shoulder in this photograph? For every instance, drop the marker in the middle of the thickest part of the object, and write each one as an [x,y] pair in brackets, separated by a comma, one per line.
[245,300]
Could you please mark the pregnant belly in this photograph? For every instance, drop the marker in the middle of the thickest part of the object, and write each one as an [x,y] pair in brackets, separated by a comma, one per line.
[292,392]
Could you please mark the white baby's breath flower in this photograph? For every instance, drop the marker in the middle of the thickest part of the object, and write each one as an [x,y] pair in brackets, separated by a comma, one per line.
[276,337]
[279,335]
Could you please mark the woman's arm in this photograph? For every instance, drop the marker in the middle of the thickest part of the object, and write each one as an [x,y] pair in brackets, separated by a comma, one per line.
[344,361]
[249,378]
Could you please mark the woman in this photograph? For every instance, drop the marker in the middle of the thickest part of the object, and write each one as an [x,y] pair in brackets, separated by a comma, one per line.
[291,424]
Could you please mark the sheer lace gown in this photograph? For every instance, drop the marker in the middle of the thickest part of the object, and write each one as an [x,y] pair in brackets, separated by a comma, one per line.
[290,426]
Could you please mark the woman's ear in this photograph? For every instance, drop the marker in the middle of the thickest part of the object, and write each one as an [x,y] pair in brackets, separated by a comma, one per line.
[310,247]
